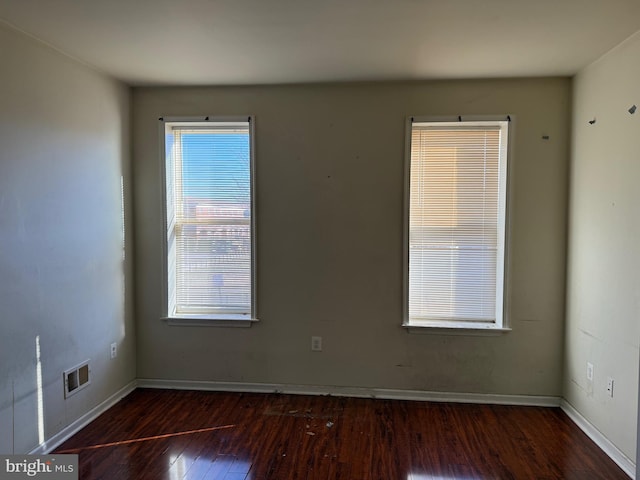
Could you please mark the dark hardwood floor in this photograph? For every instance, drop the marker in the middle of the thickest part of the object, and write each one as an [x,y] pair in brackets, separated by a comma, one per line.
[176,435]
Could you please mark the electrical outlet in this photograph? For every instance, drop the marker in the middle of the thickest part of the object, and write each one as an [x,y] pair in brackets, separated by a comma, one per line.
[114,350]
[316,344]
[590,371]
[610,386]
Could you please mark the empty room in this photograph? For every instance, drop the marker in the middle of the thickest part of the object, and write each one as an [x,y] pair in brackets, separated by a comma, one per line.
[357,239]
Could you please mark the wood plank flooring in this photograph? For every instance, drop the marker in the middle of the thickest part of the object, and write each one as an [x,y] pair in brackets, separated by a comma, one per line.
[186,435]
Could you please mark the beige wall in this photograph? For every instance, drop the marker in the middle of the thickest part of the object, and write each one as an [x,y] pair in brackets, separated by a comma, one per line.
[64,136]
[329,194]
[603,295]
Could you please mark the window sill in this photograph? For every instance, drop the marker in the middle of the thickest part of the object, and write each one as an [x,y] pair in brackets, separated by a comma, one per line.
[230,320]
[455,328]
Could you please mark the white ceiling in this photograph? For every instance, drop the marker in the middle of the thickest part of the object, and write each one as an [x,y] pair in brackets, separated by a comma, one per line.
[214,42]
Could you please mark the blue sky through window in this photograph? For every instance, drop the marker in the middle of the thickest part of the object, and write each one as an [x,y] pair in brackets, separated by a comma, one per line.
[215,166]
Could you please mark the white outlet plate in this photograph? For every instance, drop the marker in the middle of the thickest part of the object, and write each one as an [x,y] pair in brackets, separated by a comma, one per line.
[610,386]
[590,371]
[114,350]
[316,344]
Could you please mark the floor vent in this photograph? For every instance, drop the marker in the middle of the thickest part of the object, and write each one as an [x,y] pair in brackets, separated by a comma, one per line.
[76,378]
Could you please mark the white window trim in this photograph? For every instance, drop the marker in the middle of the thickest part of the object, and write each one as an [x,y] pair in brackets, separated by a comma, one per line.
[445,327]
[208,320]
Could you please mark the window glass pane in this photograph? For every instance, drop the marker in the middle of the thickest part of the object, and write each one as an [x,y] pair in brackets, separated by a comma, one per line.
[456,221]
[210,238]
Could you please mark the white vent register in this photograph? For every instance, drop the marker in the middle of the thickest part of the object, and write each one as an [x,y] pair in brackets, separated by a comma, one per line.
[76,378]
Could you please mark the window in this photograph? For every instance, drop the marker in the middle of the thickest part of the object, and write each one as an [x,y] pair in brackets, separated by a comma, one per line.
[455,224]
[210,220]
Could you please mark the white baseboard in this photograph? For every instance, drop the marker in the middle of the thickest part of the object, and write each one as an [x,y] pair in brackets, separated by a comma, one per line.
[361,392]
[48,445]
[624,462]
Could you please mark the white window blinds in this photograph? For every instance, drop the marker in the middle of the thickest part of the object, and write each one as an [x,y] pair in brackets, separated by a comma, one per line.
[209,218]
[457,204]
